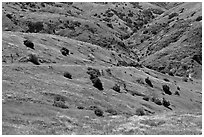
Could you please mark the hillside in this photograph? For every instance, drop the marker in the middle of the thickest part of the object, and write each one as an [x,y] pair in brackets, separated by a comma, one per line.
[172,43]
[66,71]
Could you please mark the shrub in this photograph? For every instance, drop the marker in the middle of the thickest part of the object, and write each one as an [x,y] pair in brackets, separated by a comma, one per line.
[116,87]
[112,111]
[173,15]
[80,107]
[59,101]
[108,71]
[93,72]
[35,27]
[140,81]
[97,83]
[165,103]
[185,79]
[67,75]
[33,58]
[140,111]
[146,98]
[165,79]
[166,89]
[178,88]
[177,93]
[29,44]
[98,112]
[64,51]
[171,74]
[156,101]
[199,18]
[147,80]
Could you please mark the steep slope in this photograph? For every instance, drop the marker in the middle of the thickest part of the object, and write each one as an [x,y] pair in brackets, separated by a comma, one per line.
[172,43]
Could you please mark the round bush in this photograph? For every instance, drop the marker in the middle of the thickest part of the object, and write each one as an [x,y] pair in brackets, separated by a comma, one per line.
[67,75]
[140,112]
[116,87]
[147,80]
[97,83]
[98,112]
[33,58]
[165,103]
[166,89]
[29,44]
[64,51]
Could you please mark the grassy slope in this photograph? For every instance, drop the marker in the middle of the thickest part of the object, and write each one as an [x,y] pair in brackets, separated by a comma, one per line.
[28,91]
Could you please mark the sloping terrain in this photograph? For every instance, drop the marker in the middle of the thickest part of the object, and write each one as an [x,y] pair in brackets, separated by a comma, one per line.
[65,71]
[29,90]
[172,43]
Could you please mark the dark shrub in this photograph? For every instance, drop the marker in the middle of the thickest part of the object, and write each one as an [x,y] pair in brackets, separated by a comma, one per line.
[80,107]
[140,81]
[140,112]
[165,79]
[185,79]
[64,51]
[173,15]
[156,101]
[67,75]
[178,88]
[93,107]
[33,58]
[177,93]
[59,101]
[98,112]
[29,44]
[147,80]
[110,25]
[199,18]
[171,74]
[112,111]
[165,103]
[166,89]
[108,71]
[116,87]
[146,98]
[97,83]
[93,72]
[35,27]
